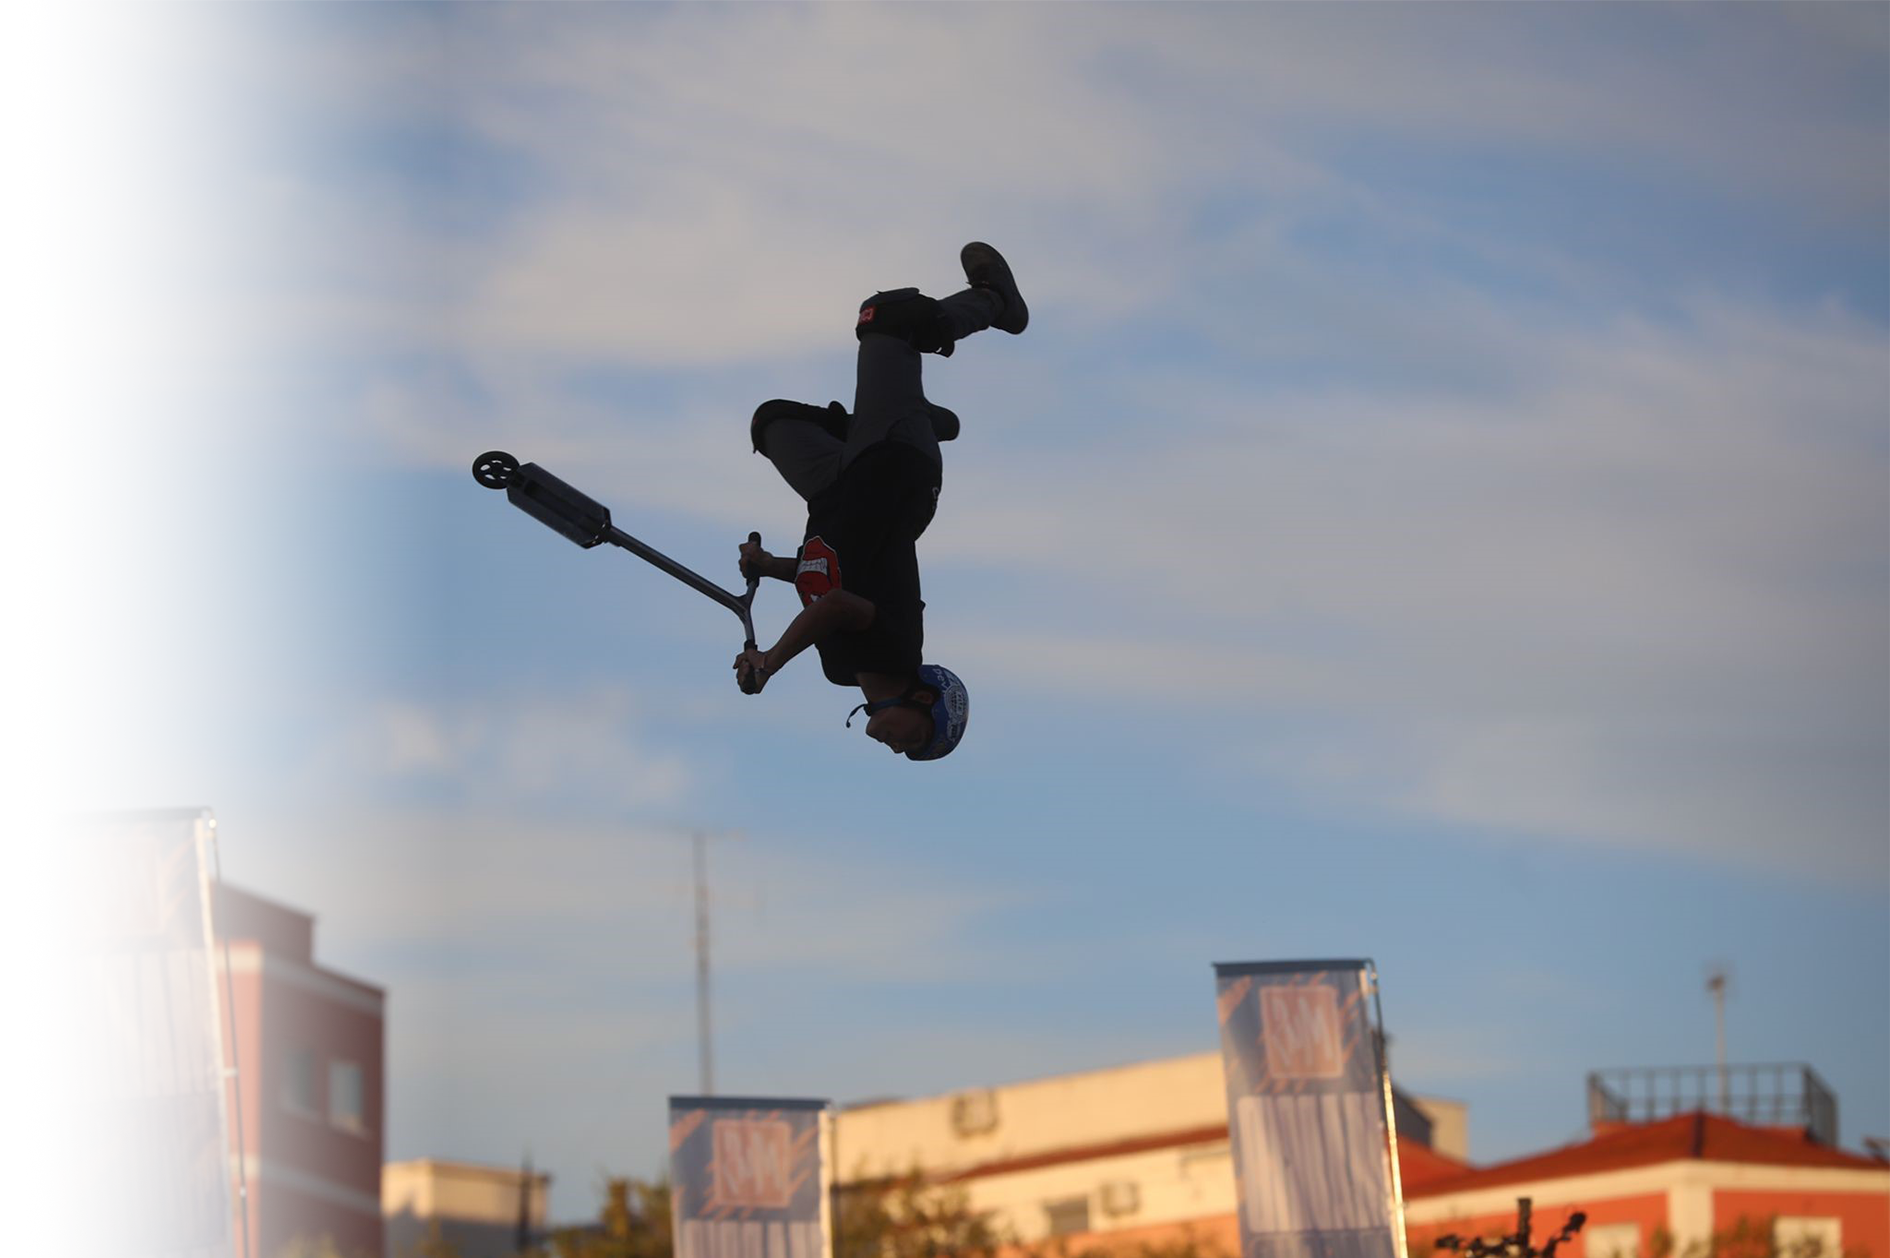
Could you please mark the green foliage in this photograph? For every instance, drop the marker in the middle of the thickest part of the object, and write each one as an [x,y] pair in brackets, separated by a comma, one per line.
[1188,1246]
[908,1218]
[905,1217]
[317,1247]
[634,1223]
[435,1244]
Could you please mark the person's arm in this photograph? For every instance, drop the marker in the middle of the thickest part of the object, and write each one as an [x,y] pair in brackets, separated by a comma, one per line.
[755,561]
[838,612]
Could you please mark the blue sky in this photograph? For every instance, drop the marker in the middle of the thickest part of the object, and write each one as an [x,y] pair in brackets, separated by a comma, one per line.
[1439,512]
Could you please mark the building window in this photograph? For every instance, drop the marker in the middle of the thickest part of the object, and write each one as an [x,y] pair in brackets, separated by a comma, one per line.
[1119,1197]
[1801,1236]
[298,1089]
[1614,1240]
[1068,1216]
[347,1097]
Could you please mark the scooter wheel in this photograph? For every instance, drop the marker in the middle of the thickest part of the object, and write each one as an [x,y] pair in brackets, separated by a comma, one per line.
[495,469]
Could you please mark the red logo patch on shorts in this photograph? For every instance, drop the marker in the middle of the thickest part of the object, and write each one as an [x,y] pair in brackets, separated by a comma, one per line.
[818,572]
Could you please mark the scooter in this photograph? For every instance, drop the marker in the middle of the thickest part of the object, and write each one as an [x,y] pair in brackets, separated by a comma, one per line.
[586,521]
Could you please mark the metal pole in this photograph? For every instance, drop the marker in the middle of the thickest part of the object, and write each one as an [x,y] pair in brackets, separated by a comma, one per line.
[831,1118]
[705,1034]
[235,1068]
[1716,984]
[1369,979]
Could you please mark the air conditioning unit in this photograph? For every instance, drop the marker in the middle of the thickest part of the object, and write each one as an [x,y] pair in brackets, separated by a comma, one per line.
[1119,1197]
[974,1113]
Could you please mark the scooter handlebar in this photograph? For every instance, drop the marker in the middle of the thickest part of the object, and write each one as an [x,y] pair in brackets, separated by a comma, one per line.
[754,581]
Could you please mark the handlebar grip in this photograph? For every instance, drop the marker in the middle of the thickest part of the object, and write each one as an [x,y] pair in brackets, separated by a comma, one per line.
[754,577]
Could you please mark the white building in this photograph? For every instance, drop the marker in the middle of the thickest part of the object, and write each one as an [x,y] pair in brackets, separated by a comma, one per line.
[1138,1152]
[479,1210]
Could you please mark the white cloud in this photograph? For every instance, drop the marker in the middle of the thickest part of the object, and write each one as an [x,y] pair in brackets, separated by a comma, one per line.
[512,907]
[1536,564]
[522,747]
[1546,562]
[1632,601]
[541,966]
[639,186]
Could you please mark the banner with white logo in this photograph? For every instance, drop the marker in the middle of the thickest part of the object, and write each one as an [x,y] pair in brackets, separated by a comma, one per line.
[1309,1110]
[120,1043]
[745,1177]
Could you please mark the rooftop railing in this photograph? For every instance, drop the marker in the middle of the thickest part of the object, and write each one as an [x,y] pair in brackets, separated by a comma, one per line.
[1780,1094]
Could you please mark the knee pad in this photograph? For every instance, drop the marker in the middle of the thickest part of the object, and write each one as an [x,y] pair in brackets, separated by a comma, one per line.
[908,314]
[944,422]
[832,418]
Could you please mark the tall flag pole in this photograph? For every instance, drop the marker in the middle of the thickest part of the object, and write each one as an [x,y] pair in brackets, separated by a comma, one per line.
[211,871]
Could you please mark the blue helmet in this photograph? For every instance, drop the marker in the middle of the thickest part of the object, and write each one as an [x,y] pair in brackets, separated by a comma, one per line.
[949,712]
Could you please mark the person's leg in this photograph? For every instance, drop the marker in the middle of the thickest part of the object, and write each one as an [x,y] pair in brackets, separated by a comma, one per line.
[898,325]
[933,326]
[805,443]
[895,327]
[970,310]
[930,325]
[889,401]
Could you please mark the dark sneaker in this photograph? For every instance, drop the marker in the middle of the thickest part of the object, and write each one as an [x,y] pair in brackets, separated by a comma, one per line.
[985,268]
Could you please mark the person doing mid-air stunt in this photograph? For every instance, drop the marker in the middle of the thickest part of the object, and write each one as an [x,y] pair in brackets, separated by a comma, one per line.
[871,482]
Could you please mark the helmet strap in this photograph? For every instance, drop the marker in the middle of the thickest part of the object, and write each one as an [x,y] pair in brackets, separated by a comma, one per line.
[880,705]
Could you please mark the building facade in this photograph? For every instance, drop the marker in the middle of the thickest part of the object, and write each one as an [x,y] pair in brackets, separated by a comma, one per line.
[1140,1155]
[471,1210]
[307,1103]
[1135,1154]
[1693,1181]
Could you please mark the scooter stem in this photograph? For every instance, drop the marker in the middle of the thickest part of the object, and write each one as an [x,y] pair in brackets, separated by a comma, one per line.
[739,605]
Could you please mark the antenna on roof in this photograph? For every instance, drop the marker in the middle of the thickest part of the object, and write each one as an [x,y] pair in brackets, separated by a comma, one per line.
[1718,978]
[705,1030]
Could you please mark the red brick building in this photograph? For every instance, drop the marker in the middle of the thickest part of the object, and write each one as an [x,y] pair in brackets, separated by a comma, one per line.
[308,1104]
[310,1088]
[1689,1177]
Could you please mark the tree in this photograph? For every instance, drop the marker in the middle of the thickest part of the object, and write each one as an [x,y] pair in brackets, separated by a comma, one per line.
[907,1218]
[431,1245]
[634,1223]
[316,1247]
[1188,1245]
[902,1217]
